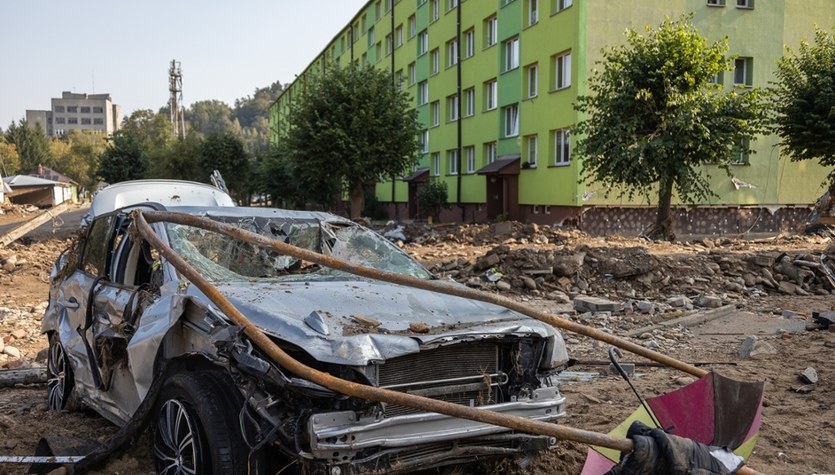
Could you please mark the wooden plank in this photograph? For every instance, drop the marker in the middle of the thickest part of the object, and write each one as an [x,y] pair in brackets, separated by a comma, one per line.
[32,224]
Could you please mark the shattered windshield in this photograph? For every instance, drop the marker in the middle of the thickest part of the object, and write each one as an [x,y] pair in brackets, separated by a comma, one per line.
[221,258]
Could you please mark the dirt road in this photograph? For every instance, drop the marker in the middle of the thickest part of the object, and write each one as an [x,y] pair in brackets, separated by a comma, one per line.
[797,434]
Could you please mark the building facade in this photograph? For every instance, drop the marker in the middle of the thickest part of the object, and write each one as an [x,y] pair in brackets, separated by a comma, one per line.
[494,83]
[72,111]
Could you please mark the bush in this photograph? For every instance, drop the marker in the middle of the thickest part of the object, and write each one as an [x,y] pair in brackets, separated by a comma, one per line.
[431,198]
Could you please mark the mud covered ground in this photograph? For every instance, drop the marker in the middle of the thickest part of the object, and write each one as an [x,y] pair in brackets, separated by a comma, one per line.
[797,434]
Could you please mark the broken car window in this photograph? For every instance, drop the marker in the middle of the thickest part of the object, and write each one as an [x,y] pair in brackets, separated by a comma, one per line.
[222,258]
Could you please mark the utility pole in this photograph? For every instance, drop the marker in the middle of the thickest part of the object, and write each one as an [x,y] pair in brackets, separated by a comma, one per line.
[175,102]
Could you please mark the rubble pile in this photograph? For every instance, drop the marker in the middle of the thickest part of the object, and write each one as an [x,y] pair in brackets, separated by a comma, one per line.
[20,334]
[560,264]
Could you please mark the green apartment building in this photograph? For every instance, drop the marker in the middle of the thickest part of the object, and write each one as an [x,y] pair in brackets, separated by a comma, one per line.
[494,83]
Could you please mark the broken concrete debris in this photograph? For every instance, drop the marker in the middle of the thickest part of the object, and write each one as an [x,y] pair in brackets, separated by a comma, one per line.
[753,346]
[809,376]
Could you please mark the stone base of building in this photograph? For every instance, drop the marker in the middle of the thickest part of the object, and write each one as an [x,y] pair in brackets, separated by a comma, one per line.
[696,220]
[632,221]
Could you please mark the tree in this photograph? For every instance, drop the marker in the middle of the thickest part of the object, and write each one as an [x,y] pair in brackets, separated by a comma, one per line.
[431,198]
[123,159]
[210,117]
[654,117]
[31,143]
[804,102]
[225,153]
[79,159]
[9,159]
[350,127]
[180,160]
[153,131]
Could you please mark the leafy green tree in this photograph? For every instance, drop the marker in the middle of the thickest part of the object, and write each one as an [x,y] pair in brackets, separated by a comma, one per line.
[31,143]
[654,117]
[210,117]
[123,159]
[225,153]
[9,159]
[804,102]
[432,197]
[180,160]
[350,127]
[79,157]
[277,177]
[153,131]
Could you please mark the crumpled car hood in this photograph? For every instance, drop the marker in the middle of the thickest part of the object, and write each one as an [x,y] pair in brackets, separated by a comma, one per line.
[355,322]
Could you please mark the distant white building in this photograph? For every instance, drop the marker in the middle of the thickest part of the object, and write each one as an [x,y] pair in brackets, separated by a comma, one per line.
[37,191]
[73,111]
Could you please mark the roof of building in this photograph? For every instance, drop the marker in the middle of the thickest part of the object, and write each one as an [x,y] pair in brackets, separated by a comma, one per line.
[49,174]
[26,180]
[499,166]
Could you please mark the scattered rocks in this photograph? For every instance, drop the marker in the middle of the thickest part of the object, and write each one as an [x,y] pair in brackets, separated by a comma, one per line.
[752,346]
[12,351]
[595,304]
[709,301]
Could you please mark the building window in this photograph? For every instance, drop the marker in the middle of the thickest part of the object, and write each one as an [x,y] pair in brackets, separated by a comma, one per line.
[450,4]
[412,26]
[371,37]
[85,110]
[452,52]
[59,108]
[452,157]
[511,54]
[491,31]
[389,5]
[399,79]
[60,120]
[423,42]
[423,93]
[435,60]
[511,120]
[85,121]
[490,152]
[469,158]
[533,12]
[562,71]
[740,153]
[72,109]
[412,74]
[452,107]
[547,209]
[389,45]
[532,75]
[72,120]
[562,147]
[469,43]
[398,36]
[743,71]
[719,78]
[560,5]
[436,113]
[423,140]
[716,3]
[491,95]
[436,9]
[436,163]
[469,102]
[378,11]
[532,152]
[535,209]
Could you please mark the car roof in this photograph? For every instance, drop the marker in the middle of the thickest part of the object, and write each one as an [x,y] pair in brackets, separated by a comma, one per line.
[165,192]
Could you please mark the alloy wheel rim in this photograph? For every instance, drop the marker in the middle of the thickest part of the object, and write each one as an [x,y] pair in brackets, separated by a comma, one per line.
[175,445]
[56,383]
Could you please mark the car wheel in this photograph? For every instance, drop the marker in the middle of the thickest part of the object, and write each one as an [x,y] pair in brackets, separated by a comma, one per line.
[195,430]
[60,394]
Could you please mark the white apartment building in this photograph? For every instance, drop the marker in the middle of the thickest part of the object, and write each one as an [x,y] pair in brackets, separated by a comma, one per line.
[71,111]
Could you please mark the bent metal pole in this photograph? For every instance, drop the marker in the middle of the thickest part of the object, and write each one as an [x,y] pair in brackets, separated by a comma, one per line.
[349,388]
[431,285]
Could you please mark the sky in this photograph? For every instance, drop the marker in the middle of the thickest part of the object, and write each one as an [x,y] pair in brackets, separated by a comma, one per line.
[227,48]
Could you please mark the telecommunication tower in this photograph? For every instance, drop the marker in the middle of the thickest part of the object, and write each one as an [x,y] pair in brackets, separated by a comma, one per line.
[175,103]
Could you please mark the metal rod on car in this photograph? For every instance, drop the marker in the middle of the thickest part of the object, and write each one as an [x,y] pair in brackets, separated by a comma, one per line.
[431,285]
[371,393]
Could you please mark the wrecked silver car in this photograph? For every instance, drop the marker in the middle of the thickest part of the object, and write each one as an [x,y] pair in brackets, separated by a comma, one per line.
[126,330]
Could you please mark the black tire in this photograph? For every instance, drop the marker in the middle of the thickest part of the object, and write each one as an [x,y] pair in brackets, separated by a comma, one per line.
[60,392]
[195,426]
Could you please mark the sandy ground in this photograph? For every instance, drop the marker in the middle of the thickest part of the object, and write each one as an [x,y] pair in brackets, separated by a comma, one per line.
[798,430]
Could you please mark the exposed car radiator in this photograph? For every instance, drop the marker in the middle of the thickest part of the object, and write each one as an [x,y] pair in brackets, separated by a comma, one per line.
[463,373]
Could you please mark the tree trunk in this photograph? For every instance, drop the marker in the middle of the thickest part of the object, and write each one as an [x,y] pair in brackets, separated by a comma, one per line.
[357,196]
[663,227]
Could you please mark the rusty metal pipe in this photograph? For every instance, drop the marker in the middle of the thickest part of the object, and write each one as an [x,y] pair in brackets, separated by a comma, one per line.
[562,432]
[431,285]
